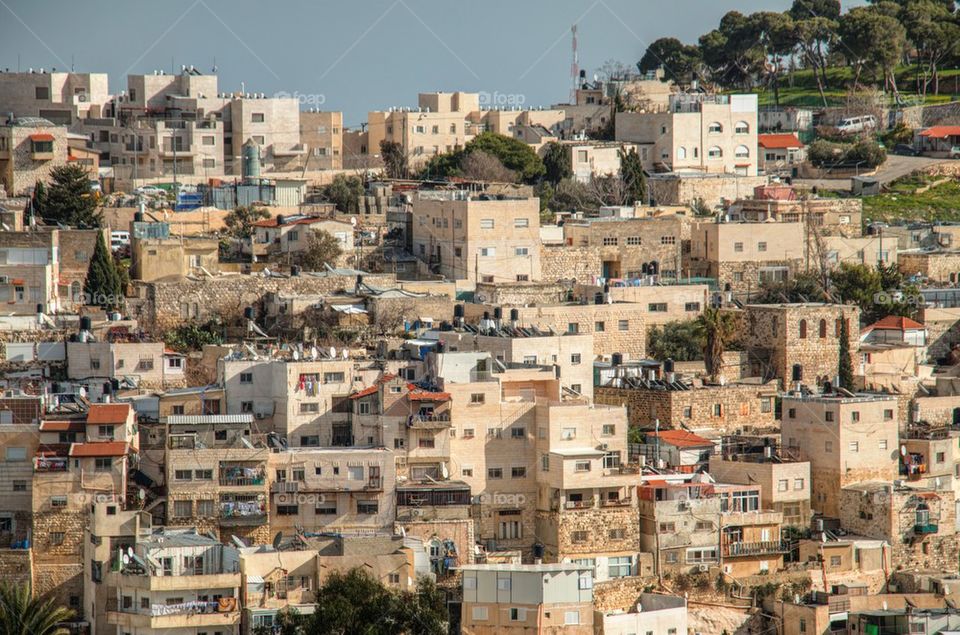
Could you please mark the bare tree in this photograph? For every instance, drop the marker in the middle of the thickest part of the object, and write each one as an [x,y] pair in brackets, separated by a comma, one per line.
[484,166]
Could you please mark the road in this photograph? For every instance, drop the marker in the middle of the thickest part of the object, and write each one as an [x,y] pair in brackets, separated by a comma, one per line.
[893,168]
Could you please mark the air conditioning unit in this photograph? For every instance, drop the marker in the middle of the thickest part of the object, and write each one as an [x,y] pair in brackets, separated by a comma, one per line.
[703,568]
[259,415]
[602,446]
[416,513]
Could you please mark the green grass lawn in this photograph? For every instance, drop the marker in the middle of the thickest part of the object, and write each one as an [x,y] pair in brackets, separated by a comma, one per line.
[800,87]
[940,203]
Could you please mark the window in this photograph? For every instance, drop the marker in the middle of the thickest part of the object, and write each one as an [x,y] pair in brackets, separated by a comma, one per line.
[579,537]
[803,329]
[634,240]
[571,617]
[609,430]
[544,462]
[256,117]
[715,128]
[521,222]
[691,307]
[703,525]
[581,466]
[798,483]
[518,472]
[617,533]
[741,152]
[494,472]
[828,415]
[521,251]
[715,152]
[477,398]
[657,307]
[882,444]
[103,464]
[828,446]
[182,475]
[668,240]
[854,446]
[741,127]
[668,527]
[246,378]
[246,406]
[183,509]
[738,247]
[19,486]
[823,329]
[610,241]
[761,246]
[575,358]
[783,485]
[599,327]
[518,433]
[518,614]
[287,510]
[480,613]
[205,507]
[333,378]
[620,567]
[488,252]
[468,433]
[887,415]
[367,507]
[309,408]
[486,223]
[854,416]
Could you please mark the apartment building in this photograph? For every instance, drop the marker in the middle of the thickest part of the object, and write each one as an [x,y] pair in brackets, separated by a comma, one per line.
[655,395]
[784,479]
[664,302]
[285,236]
[593,159]
[781,153]
[275,580]
[144,364]
[332,489]
[321,133]
[30,271]
[696,132]
[30,148]
[75,251]
[175,581]
[653,614]
[173,258]
[541,598]
[746,256]
[19,437]
[273,124]
[481,238]
[633,248]
[782,203]
[529,346]
[918,524]
[776,337]
[59,97]
[215,471]
[846,439]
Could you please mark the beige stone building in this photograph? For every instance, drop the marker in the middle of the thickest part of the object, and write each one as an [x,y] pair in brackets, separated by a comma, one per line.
[30,148]
[847,440]
[321,133]
[697,132]
[479,238]
[145,364]
[56,96]
[173,258]
[30,271]
[746,255]
[830,216]
[540,598]
[286,236]
[589,159]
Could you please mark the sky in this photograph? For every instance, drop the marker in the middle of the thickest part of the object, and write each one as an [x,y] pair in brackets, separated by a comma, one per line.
[355,55]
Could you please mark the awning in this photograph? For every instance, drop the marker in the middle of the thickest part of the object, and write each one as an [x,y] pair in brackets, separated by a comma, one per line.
[41,136]
[941,132]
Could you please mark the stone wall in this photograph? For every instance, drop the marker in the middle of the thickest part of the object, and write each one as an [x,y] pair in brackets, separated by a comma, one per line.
[519,294]
[562,262]
[16,565]
[621,594]
[460,531]
[937,266]
[712,189]
[943,330]
[598,524]
[160,306]
[744,277]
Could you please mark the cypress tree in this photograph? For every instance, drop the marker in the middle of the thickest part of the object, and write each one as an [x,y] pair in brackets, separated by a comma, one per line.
[845,372]
[102,285]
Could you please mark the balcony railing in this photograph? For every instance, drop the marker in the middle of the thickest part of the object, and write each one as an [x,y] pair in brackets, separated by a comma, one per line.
[50,464]
[616,502]
[587,504]
[242,481]
[437,420]
[925,528]
[242,511]
[374,483]
[763,547]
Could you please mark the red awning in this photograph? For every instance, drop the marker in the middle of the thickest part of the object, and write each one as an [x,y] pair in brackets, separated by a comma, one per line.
[41,136]
[941,132]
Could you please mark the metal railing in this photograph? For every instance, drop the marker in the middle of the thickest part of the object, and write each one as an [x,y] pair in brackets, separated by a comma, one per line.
[755,548]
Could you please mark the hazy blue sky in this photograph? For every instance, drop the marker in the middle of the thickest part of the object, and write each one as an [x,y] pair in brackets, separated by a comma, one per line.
[354,55]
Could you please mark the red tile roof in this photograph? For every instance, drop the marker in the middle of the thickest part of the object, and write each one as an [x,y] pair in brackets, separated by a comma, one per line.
[681,438]
[941,132]
[41,136]
[272,222]
[53,449]
[895,323]
[421,395]
[62,426]
[779,141]
[99,448]
[103,413]
[369,390]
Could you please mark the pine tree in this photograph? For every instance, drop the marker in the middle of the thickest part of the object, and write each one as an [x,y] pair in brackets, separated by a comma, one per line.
[631,171]
[102,286]
[39,200]
[69,201]
[845,372]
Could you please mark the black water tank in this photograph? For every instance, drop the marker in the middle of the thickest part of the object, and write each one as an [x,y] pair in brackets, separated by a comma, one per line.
[295,271]
[115,384]
[797,372]
[40,308]
[644,269]
[359,279]
[107,388]
[538,551]
[598,298]
[86,323]
[515,315]
[248,313]
[616,359]
[727,287]
[138,217]
[497,313]
[654,268]
[606,288]
[668,366]
[458,310]
[486,315]
[280,219]
[827,387]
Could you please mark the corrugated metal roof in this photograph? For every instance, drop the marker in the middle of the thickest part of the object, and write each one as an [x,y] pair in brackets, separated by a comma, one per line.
[208,419]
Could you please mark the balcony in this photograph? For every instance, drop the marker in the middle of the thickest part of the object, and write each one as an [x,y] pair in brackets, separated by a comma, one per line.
[585,504]
[285,487]
[923,529]
[144,582]
[762,548]
[194,614]
[616,502]
[242,481]
[374,484]
[429,421]
[50,464]
[242,513]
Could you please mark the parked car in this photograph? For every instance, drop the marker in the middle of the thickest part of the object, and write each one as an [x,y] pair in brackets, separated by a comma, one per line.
[149,190]
[955,152]
[905,150]
[119,239]
[850,125]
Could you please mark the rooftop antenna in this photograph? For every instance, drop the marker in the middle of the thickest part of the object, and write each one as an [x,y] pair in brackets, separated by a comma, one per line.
[574,66]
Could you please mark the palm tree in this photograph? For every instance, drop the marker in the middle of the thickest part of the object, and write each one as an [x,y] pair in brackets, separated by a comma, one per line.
[23,614]
[716,329]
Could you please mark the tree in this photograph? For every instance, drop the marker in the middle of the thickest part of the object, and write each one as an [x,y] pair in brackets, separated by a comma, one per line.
[287,621]
[777,38]
[240,220]
[717,329]
[513,154]
[678,60]
[394,159]
[872,40]
[38,201]
[23,614]
[804,9]
[677,340]
[102,286]
[556,163]
[879,291]
[193,336]
[322,249]
[356,602]
[69,200]
[803,287]
[815,36]
[633,176]
[934,32]
[483,166]
[345,192]
[845,370]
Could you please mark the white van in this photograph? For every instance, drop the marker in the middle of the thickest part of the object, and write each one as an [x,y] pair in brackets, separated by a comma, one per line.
[119,239]
[849,125]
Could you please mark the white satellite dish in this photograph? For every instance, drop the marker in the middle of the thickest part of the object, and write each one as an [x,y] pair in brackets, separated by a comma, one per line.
[296,354]
[903,450]
[314,353]
[353,221]
[345,353]
[126,559]
[130,551]
[444,472]
[141,494]
[82,391]
[333,352]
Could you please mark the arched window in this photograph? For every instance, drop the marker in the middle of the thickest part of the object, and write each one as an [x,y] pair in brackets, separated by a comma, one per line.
[803,329]
[742,152]
[823,329]
[715,128]
[715,152]
[76,291]
[681,153]
[742,127]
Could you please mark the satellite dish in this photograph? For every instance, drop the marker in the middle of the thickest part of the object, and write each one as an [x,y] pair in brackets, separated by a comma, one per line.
[314,353]
[141,494]
[259,497]
[130,551]
[82,391]
[277,540]
[296,355]
[903,450]
[444,472]
[823,537]
[333,352]
[126,559]
[246,443]
[345,353]
[353,221]
[238,542]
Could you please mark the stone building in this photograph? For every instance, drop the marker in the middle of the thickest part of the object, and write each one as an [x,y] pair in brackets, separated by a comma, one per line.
[664,302]
[778,336]
[480,238]
[918,524]
[143,364]
[30,148]
[941,266]
[56,96]
[592,159]
[30,272]
[173,258]
[76,249]
[321,133]
[846,439]
[746,255]
[781,203]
